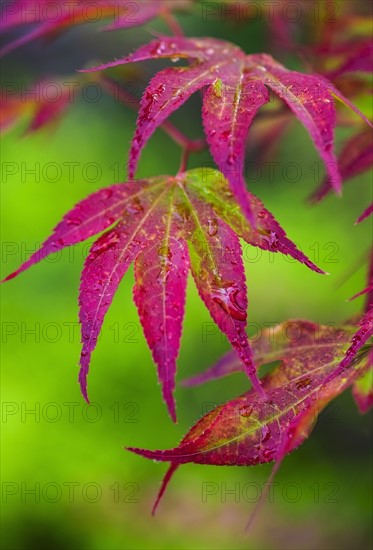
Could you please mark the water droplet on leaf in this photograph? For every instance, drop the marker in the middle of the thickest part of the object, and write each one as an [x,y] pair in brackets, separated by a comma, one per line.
[212,227]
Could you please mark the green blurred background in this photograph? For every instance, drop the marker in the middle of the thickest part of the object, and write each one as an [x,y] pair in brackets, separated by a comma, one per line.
[90,493]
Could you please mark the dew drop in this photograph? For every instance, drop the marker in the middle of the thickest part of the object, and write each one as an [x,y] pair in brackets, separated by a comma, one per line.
[105,244]
[161,48]
[230,159]
[226,297]
[110,220]
[271,238]
[165,258]
[107,193]
[135,206]
[245,411]
[212,227]
[266,434]
[73,221]
[303,384]
[225,135]
[268,454]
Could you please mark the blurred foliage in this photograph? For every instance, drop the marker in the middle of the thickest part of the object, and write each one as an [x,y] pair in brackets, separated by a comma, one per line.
[322,498]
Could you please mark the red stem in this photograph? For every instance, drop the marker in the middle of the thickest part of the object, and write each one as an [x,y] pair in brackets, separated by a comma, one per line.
[172,23]
[188,145]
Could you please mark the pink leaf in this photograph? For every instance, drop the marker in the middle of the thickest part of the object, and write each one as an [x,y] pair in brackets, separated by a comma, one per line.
[355,158]
[359,339]
[360,60]
[156,218]
[104,268]
[282,342]
[228,111]
[89,217]
[247,430]
[218,271]
[52,17]
[237,90]
[161,276]
[166,92]
[310,100]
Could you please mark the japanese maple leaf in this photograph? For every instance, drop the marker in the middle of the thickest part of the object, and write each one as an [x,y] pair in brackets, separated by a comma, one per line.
[359,58]
[51,101]
[249,431]
[52,98]
[51,18]
[332,30]
[361,390]
[164,225]
[237,86]
[355,158]
[365,326]
[294,338]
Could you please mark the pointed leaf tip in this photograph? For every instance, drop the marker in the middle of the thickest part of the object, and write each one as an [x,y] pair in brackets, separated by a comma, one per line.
[340,97]
[248,431]
[11,276]
[26,12]
[367,212]
[237,87]
[171,406]
[146,453]
[355,158]
[167,226]
[82,380]
[170,472]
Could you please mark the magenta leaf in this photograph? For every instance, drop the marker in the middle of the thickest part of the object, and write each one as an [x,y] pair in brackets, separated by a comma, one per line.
[43,110]
[355,158]
[161,277]
[237,87]
[166,92]
[51,18]
[228,112]
[309,98]
[282,342]
[358,340]
[360,59]
[368,290]
[91,216]
[108,260]
[157,220]
[218,271]
[248,430]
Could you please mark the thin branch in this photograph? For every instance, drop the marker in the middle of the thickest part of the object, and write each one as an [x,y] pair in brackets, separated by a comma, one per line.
[172,23]
[188,145]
